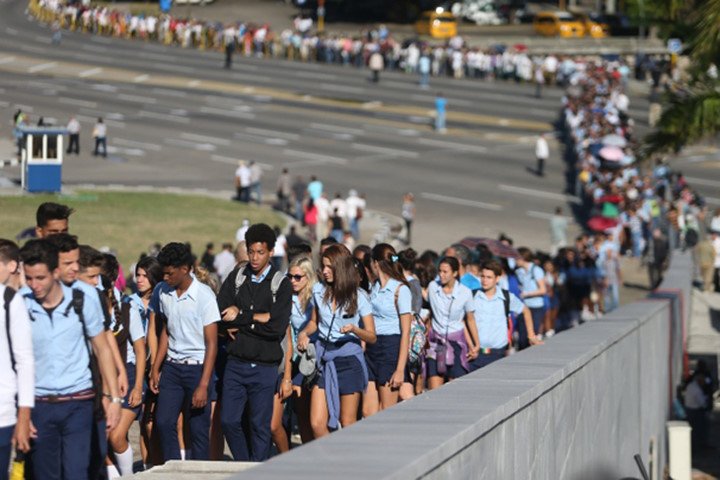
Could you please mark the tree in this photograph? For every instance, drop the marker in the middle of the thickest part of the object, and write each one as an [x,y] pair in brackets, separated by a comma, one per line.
[692,113]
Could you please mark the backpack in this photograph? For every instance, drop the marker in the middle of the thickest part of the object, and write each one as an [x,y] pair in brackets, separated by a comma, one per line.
[122,336]
[8,296]
[509,318]
[275,283]
[78,300]
[418,335]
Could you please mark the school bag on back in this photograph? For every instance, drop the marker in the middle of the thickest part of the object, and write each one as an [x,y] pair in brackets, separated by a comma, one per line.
[418,335]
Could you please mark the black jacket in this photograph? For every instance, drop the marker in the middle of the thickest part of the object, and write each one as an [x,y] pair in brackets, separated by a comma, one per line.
[256,342]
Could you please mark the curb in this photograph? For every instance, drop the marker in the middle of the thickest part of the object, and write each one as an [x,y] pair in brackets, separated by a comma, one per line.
[11,162]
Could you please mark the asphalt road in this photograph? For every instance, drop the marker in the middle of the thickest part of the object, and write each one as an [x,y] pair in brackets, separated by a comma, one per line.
[176,118]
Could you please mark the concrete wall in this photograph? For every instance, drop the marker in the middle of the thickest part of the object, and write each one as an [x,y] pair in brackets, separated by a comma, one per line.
[578,407]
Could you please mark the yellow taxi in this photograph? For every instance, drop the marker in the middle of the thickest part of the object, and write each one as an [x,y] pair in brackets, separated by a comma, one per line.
[437,24]
[594,24]
[560,24]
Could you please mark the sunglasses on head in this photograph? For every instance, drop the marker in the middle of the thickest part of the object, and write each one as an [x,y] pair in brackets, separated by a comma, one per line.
[297,278]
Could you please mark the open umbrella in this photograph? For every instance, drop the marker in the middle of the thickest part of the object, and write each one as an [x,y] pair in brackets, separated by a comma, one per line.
[595,148]
[496,247]
[614,141]
[611,154]
[600,223]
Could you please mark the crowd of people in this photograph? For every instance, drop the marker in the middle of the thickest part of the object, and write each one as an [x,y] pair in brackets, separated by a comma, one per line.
[636,211]
[197,354]
[373,47]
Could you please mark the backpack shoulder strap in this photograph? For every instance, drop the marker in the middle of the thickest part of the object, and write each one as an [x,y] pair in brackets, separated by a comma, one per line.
[8,296]
[125,313]
[275,283]
[506,302]
[397,294]
[240,278]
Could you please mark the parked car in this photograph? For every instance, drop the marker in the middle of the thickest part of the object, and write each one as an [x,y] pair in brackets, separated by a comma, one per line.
[482,12]
[558,24]
[437,24]
[594,24]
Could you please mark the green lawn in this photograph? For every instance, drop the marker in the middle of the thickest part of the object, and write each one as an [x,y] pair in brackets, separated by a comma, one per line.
[129,222]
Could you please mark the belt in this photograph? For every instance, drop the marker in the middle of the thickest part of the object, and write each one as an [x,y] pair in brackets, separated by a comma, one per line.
[187,361]
[88,394]
[488,351]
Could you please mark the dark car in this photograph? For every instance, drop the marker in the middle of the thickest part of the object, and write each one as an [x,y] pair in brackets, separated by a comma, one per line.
[621,26]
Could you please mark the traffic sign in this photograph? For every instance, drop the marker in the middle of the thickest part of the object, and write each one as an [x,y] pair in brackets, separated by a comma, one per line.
[674,45]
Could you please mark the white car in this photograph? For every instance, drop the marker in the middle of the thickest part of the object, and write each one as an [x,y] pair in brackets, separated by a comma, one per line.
[482,12]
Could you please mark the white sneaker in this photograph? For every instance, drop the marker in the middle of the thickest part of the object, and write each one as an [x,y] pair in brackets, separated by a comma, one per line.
[549,333]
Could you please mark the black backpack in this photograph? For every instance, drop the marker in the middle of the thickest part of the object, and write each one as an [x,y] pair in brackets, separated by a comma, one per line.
[8,297]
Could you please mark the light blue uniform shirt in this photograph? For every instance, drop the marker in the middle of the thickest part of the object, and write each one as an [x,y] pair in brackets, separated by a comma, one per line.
[62,365]
[187,316]
[261,277]
[528,283]
[448,311]
[325,315]
[300,319]
[490,318]
[385,315]
[470,281]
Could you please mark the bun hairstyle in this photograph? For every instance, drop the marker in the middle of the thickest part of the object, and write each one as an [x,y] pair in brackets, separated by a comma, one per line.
[388,261]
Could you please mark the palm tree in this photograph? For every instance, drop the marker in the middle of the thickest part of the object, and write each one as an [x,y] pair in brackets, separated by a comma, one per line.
[693,113]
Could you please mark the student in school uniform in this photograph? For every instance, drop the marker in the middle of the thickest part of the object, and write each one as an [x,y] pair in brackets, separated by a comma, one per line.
[62,332]
[52,218]
[17,375]
[491,316]
[392,310]
[343,318]
[256,318]
[453,335]
[186,352]
[302,279]
[129,332]
[148,273]
[79,268]
[531,278]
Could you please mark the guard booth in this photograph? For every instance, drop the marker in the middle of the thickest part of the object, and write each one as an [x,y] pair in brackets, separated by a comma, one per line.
[42,157]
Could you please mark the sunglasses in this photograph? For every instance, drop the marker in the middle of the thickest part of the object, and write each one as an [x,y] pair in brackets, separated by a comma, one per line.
[297,278]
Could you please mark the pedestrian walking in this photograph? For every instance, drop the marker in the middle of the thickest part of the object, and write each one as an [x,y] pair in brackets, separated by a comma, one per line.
[343,317]
[100,136]
[440,112]
[186,352]
[256,174]
[242,182]
[424,65]
[542,152]
[299,188]
[376,64]
[408,214]
[229,41]
[73,128]
[355,207]
[256,302]
[531,278]
[283,190]
[611,280]
[539,82]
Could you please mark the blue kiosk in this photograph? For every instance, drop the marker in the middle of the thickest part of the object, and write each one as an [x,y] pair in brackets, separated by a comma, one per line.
[42,158]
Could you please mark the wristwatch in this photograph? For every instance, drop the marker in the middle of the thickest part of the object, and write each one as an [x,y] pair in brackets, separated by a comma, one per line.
[117,400]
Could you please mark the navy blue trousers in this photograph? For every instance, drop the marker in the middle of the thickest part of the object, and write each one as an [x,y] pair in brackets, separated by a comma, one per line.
[99,450]
[177,384]
[62,447]
[6,434]
[484,359]
[537,317]
[255,386]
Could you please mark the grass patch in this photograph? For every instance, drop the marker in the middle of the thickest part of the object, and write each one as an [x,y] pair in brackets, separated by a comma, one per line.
[129,222]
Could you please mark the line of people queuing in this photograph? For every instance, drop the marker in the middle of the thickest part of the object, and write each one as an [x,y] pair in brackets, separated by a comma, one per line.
[339,336]
[373,47]
[642,212]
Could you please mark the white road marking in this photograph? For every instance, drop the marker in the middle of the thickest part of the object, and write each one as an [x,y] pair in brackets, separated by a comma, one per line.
[158,56]
[204,138]
[250,76]
[6,60]
[540,193]
[163,116]
[314,158]
[141,78]
[452,101]
[452,145]
[320,76]
[137,98]
[90,72]
[546,215]
[384,150]
[170,93]
[272,133]
[76,101]
[335,128]
[43,39]
[202,147]
[227,113]
[11,31]
[102,87]
[41,67]
[30,48]
[461,201]
[132,143]
[702,181]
